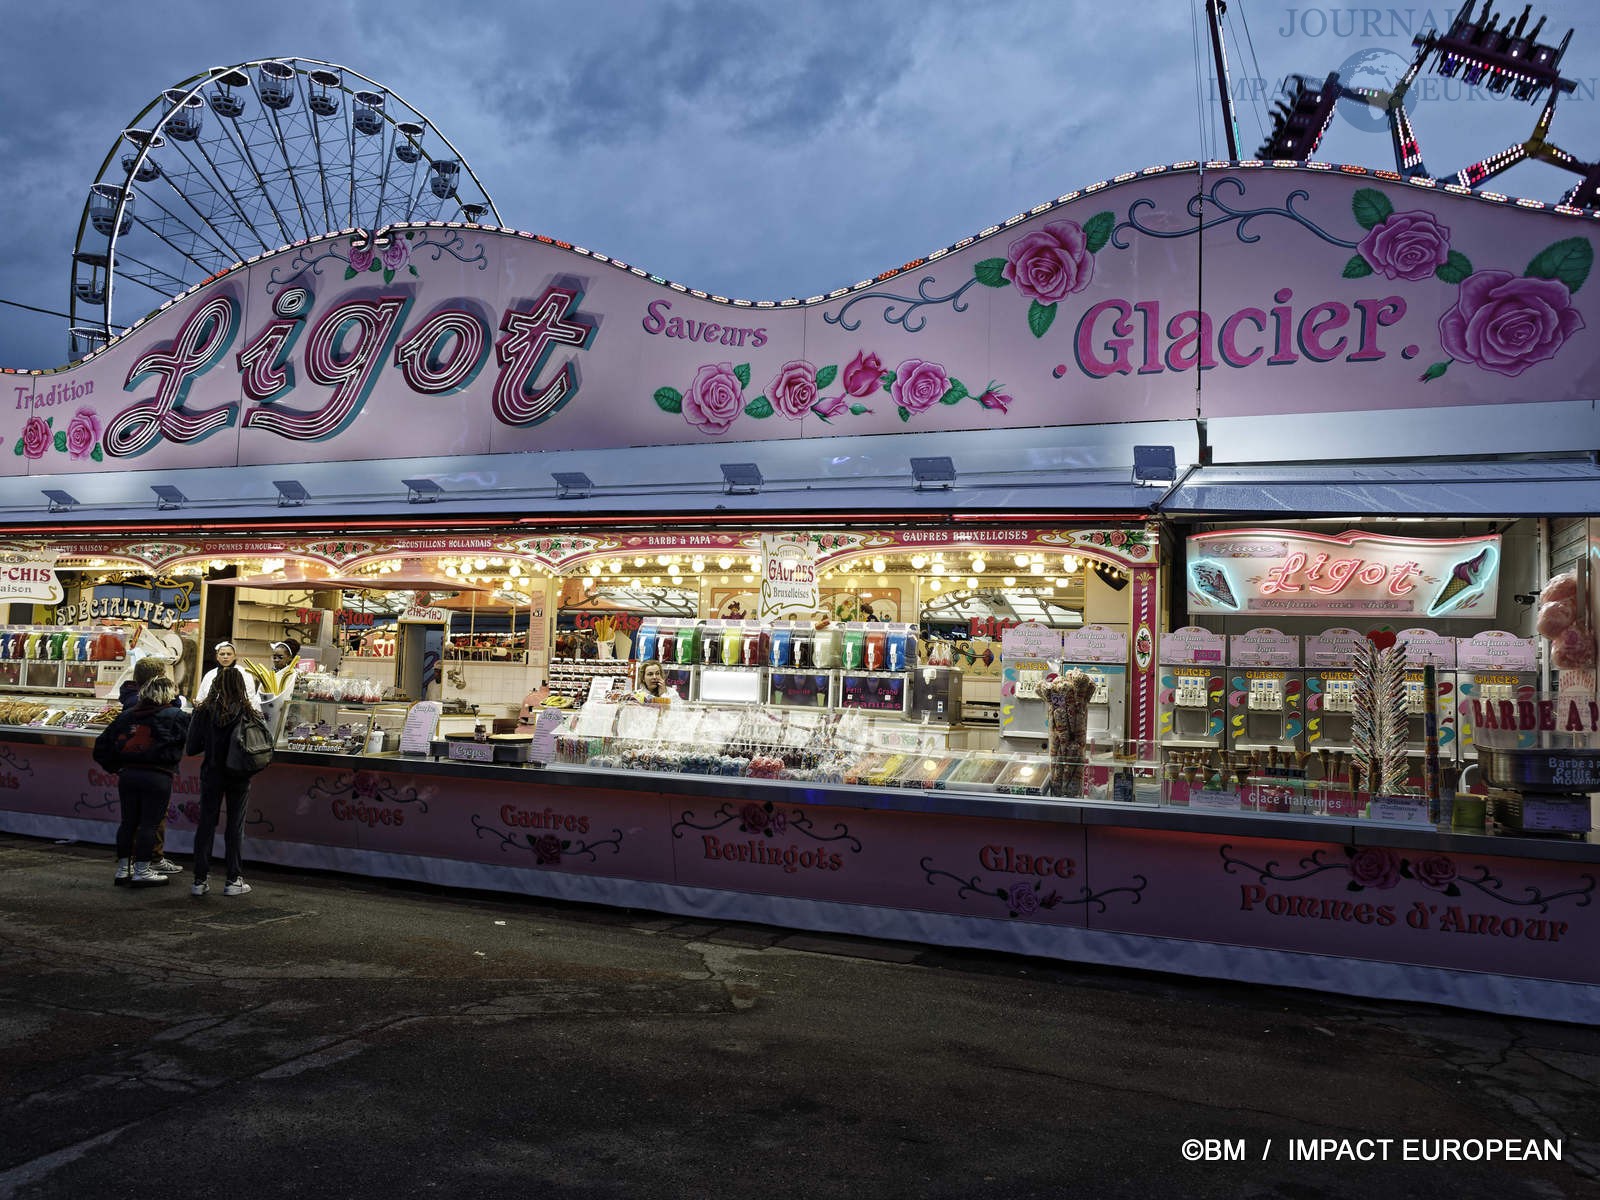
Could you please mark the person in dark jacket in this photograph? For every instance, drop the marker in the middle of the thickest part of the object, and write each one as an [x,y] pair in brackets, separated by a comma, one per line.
[147,668]
[210,733]
[143,745]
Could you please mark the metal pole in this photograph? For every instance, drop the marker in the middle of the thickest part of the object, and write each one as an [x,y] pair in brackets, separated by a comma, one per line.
[1230,126]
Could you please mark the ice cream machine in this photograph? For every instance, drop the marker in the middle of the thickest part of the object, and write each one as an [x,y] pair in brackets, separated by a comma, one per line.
[1491,666]
[1191,696]
[1030,654]
[1102,654]
[1266,691]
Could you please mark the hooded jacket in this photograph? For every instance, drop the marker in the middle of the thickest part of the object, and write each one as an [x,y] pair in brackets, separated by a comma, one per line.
[146,735]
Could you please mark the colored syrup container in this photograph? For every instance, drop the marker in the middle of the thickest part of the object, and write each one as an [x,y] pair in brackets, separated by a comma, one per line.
[825,652]
[649,642]
[711,645]
[874,651]
[732,647]
[780,648]
[852,647]
[750,649]
[667,643]
[688,645]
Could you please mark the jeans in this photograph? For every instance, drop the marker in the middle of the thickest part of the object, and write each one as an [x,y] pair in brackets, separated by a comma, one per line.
[215,786]
[144,793]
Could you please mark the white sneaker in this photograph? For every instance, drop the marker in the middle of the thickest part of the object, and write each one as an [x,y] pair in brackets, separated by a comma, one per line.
[143,876]
[165,865]
[234,887]
[124,872]
[200,888]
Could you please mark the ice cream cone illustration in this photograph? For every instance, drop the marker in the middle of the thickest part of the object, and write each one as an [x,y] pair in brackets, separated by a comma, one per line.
[1466,574]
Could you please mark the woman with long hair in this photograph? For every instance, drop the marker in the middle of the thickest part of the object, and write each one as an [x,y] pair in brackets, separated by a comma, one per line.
[210,733]
[143,745]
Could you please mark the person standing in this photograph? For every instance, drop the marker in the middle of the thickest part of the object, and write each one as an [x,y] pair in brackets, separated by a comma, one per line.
[143,745]
[210,734]
[147,668]
[227,662]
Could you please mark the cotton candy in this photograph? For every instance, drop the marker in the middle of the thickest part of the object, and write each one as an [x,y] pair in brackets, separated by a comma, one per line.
[1554,617]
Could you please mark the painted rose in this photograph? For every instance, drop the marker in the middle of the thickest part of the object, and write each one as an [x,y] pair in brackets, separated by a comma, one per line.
[397,253]
[1409,245]
[1505,323]
[994,399]
[1375,867]
[83,431]
[365,783]
[863,375]
[1118,537]
[360,257]
[918,385]
[1052,263]
[546,849]
[1023,900]
[714,399]
[833,406]
[794,390]
[753,817]
[35,437]
[1436,871]
[778,823]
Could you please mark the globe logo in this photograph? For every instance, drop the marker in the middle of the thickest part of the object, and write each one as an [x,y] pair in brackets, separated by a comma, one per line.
[1372,69]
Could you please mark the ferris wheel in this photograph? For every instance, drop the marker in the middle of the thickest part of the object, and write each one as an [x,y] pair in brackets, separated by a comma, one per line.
[240,160]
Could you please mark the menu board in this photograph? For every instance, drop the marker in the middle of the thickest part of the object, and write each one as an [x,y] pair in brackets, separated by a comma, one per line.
[422,721]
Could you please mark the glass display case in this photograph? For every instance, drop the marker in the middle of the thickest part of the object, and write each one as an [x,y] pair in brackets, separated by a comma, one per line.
[339,727]
[57,712]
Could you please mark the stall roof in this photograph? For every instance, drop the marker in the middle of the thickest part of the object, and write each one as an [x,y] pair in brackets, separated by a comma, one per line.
[1499,488]
[1076,470]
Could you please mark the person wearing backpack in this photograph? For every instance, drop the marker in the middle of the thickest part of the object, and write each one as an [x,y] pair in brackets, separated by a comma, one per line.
[147,668]
[211,734]
[143,746]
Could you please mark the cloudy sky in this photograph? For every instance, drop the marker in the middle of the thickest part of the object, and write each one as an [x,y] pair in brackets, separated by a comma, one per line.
[748,147]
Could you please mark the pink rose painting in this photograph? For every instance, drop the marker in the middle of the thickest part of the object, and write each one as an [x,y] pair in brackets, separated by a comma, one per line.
[918,385]
[1505,323]
[83,433]
[1408,245]
[396,254]
[863,375]
[833,406]
[1435,871]
[714,399]
[1048,264]
[1375,867]
[360,257]
[1052,263]
[35,438]
[794,390]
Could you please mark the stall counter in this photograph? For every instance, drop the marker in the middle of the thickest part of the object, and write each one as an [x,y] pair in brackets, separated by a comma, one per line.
[1488,923]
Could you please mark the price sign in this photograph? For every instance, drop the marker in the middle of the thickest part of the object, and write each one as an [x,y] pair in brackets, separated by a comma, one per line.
[1214,801]
[1400,810]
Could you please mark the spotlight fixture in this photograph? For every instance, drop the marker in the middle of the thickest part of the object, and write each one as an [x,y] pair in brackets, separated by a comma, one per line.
[741,479]
[1110,576]
[1154,466]
[933,473]
[291,493]
[60,501]
[168,496]
[574,485]
[422,491]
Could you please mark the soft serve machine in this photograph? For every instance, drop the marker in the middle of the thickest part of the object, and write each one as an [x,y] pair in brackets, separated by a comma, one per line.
[1030,654]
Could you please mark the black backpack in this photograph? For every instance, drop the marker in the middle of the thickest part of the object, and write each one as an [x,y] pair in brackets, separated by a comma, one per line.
[250,746]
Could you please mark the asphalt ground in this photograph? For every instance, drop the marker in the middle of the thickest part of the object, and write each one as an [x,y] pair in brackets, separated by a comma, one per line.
[330,1036]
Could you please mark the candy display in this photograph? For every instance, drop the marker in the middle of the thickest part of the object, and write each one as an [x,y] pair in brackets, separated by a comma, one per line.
[1565,625]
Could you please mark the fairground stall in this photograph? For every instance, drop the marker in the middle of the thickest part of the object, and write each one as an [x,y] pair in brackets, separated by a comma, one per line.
[1048,594]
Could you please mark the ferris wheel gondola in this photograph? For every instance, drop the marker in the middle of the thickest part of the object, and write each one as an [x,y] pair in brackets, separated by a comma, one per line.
[240,160]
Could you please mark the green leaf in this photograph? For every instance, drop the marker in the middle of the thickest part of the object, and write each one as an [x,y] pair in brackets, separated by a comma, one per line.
[760,408]
[349,272]
[1433,372]
[377,264]
[888,381]
[1455,268]
[1569,261]
[97,454]
[388,275]
[1357,267]
[825,376]
[413,270]
[856,410]
[957,393]
[742,374]
[991,273]
[61,439]
[1371,207]
[669,400]
[17,449]
[1098,230]
[905,414]
[1039,317]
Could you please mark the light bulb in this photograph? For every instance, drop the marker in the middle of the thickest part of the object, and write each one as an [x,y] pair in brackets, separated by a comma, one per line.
[1010,581]
[918,561]
[972,581]
[878,566]
[934,585]
[937,568]
[1036,568]
[724,562]
[1020,559]
[978,566]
